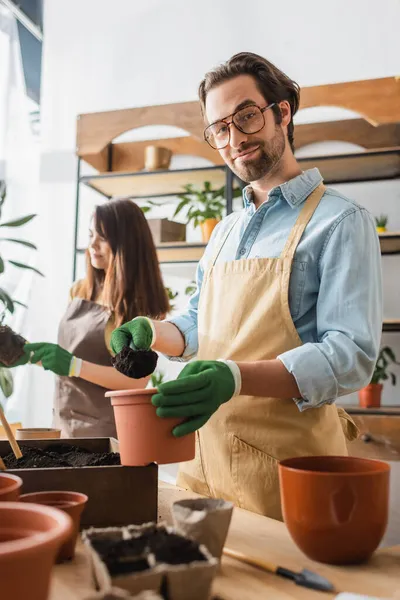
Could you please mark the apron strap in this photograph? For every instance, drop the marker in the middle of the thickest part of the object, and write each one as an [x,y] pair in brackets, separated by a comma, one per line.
[302,221]
[222,242]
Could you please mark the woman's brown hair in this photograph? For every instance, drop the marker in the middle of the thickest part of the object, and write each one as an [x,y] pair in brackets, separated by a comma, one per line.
[132,285]
[274,85]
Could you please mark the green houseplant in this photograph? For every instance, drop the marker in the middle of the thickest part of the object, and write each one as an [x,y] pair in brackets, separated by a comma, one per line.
[381,223]
[171,296]
[370,396]
[8,303]
[205,207]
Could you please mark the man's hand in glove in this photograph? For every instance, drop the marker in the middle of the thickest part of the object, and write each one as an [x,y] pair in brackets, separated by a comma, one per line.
[137,334]
[200,389]
[51,356]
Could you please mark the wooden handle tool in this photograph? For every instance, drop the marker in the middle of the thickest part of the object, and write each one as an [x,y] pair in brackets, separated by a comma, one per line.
[304,578]
[13,442]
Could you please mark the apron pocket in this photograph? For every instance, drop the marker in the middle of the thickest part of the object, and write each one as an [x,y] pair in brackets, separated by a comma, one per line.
[255,477]
[350,429]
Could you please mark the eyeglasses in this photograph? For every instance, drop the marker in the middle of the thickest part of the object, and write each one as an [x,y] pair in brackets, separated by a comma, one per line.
[247,120]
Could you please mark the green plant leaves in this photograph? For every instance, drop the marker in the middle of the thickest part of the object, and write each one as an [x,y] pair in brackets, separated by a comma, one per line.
[22,242]
[6,300]
[6,381]
[18,222]
[385,357]
[22,266]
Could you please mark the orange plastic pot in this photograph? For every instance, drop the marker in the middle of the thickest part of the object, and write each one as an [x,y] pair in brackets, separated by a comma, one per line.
[30,537]
[370,396]
[10,487]
[335,507]
[72,503]
[143,437]
[207,228]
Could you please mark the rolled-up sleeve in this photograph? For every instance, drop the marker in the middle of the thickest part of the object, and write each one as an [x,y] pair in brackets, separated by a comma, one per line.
[186,321]
[348,315]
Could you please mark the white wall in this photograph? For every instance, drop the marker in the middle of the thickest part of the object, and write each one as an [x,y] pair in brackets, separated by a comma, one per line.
[100,55]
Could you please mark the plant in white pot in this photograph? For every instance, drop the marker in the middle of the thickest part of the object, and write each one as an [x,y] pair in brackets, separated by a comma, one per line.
[370,396]
[204,207]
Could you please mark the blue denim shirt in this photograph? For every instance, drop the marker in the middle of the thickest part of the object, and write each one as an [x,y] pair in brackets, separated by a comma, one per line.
[335,292]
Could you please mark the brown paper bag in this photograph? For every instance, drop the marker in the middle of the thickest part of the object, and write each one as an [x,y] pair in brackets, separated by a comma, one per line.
[205,520]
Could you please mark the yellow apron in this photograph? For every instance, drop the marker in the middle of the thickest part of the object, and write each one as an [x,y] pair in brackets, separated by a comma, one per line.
[244,316]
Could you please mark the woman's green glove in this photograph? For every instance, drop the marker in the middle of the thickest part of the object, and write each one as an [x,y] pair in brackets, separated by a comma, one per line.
[52,356]
[138,334]
[202,386]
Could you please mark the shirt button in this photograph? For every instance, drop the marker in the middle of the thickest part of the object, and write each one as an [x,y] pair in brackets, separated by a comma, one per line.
[243,250]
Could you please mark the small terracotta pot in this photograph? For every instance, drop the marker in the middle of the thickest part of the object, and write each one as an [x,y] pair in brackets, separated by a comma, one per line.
[38,433]
[10,487]
[72,503]
[30,537]
[335,507]
[156,158]
[370,396]
[143,437]
[207,228]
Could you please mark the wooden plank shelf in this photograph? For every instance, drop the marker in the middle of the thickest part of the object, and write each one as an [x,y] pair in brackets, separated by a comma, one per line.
[390,242]
[341,168]
[391,325]
[371,165]
[180,252]
[144,184]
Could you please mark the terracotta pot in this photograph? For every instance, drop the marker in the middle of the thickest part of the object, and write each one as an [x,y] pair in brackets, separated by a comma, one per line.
[30,537]
[156,158]
[370,396]
[335,507]
[38,433]
[207,228]
[73,503]
[143,437]
[10,487]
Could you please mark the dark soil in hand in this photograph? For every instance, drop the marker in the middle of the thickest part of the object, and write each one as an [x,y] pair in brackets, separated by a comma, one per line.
[62,455]
[135,363]
[11,345]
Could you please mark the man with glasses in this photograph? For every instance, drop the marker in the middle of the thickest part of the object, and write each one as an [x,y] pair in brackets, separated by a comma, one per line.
[287,313]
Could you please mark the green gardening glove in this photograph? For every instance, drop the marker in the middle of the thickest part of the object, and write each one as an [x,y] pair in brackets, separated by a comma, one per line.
[137,334]
[52,356]
[202,386]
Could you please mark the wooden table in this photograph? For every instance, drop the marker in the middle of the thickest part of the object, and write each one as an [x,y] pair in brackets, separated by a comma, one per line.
[263,538]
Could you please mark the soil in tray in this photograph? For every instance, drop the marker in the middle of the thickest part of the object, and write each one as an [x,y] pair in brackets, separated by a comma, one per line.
[127,556]
[60,455]
[11,345]
[135,363]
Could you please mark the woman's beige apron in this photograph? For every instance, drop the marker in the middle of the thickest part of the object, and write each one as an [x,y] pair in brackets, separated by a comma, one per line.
[80,408]
[244,316]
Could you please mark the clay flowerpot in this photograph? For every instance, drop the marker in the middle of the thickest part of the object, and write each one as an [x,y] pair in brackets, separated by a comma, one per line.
[207,228]
[370,396]
[335,507]
[157,158]
[10,487]
[30,537]
[38,433]
[72,503]
[143,437]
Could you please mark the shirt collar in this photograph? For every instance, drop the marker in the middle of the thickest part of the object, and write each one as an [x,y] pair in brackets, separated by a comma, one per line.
[295,191]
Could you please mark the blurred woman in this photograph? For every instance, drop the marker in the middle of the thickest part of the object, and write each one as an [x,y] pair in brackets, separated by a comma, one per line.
[122,280]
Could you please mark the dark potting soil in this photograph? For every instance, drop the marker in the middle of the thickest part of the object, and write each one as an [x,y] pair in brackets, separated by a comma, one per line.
[126,556]
[11,345]
[62,455]
[135,363]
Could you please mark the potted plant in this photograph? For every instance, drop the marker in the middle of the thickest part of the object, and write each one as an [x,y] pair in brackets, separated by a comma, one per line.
[204,207]
[171,296]
[381,223]
[6,379]
[370,396]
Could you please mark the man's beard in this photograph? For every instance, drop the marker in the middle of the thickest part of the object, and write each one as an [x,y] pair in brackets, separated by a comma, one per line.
[266,163]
